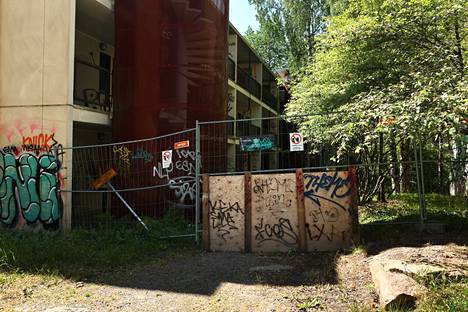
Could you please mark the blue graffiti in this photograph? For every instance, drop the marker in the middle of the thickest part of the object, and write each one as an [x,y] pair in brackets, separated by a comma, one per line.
[29,184]
[333,184]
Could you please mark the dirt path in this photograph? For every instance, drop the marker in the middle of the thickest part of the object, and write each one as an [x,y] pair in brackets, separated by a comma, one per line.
[208,282]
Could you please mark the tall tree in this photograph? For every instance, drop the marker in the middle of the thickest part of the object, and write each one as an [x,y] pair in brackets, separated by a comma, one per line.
[392,67]
[294,24]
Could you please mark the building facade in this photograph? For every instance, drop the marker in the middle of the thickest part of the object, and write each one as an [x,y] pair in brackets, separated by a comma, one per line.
[79,72]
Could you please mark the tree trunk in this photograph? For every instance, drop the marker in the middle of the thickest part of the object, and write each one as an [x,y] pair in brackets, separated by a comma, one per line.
[381,194]
[405,181]
[395,169]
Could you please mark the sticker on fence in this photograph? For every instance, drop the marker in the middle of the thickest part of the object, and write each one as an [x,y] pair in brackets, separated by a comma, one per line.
[182,144]
[166,159]
[257,143]
[296,141]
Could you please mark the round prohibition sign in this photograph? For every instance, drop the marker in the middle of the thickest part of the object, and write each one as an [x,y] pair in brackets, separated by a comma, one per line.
[296,138]
[166,155]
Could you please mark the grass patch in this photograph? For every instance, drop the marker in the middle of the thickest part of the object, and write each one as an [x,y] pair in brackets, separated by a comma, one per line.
[405,207]
[445,294]
[81,253]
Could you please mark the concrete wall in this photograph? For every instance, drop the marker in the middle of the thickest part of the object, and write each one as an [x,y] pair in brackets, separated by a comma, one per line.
[36,81]
[280,212]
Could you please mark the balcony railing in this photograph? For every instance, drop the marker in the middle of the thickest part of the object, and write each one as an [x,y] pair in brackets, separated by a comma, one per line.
[269,98]
[247,130]
[231,67]
[248,82]
[92,86]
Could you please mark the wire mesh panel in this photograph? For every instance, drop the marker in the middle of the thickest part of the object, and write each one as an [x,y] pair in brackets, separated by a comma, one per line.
[395,172]
[153,188]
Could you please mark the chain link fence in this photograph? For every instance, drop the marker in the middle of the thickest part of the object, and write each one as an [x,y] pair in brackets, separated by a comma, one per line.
[400,181]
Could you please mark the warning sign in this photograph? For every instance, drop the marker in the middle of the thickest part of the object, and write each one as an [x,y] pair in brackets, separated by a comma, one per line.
[296,141]
[166,159]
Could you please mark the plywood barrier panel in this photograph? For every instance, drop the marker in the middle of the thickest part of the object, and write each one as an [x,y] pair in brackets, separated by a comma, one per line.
[226,213]
[329,209]
[274,213]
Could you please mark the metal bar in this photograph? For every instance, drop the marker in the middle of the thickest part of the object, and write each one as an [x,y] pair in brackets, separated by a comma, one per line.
[284,117]
[418,180]
[197,179]
[127,205]
[423,191]
[144,188]
[307,168]
[177,236]
[130,142]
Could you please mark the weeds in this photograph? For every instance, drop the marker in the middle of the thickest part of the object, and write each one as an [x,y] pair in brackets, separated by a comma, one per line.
[445,294]
[405,207]
[82,253]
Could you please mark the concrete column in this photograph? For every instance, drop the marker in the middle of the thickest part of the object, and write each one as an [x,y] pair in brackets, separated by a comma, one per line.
[36,84]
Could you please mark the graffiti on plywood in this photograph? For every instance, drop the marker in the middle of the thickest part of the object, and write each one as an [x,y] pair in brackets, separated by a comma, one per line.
[274,213]
[226,213]
[329,209]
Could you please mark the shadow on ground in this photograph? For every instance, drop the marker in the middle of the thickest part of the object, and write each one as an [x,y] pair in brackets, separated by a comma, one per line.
[141,262]
[408,232]
[203,273]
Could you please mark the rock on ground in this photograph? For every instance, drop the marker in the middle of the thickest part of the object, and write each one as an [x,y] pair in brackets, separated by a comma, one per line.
[394,271]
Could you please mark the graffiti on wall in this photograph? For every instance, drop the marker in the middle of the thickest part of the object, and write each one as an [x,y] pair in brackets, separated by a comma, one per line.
[274,211]
[31,137]
[29,189]
[328,201]
[180,177]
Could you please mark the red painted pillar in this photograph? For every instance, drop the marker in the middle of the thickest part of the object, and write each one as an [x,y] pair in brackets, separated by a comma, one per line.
[170,65]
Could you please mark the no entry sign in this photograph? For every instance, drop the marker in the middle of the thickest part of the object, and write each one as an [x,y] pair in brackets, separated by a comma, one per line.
[296,142]
[166,159]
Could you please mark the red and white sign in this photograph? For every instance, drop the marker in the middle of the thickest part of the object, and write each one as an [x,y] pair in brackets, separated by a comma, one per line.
[182,144]
[296,142]
[166,159]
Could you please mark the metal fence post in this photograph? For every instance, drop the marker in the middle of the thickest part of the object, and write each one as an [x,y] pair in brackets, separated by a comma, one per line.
[418,182]
[197,180]
[423,207]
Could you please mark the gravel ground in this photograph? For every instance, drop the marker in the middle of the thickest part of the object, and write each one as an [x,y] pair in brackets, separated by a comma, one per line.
[207,282]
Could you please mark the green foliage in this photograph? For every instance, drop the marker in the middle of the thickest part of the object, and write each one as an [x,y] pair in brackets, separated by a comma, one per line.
[309,304]
[289,29]
[393,66]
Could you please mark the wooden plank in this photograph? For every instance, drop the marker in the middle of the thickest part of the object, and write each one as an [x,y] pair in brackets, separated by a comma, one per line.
[274,213]
[329,214]
[352,173]
[102,180]
[226,213]
[248,211]
[301,210]
[206,212]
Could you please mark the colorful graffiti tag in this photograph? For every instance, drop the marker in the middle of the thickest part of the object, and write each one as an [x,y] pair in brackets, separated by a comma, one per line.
[29,189]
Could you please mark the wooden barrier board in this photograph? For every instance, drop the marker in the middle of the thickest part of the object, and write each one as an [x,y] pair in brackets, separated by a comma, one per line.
[274,213]
[226,213]
[329,210]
